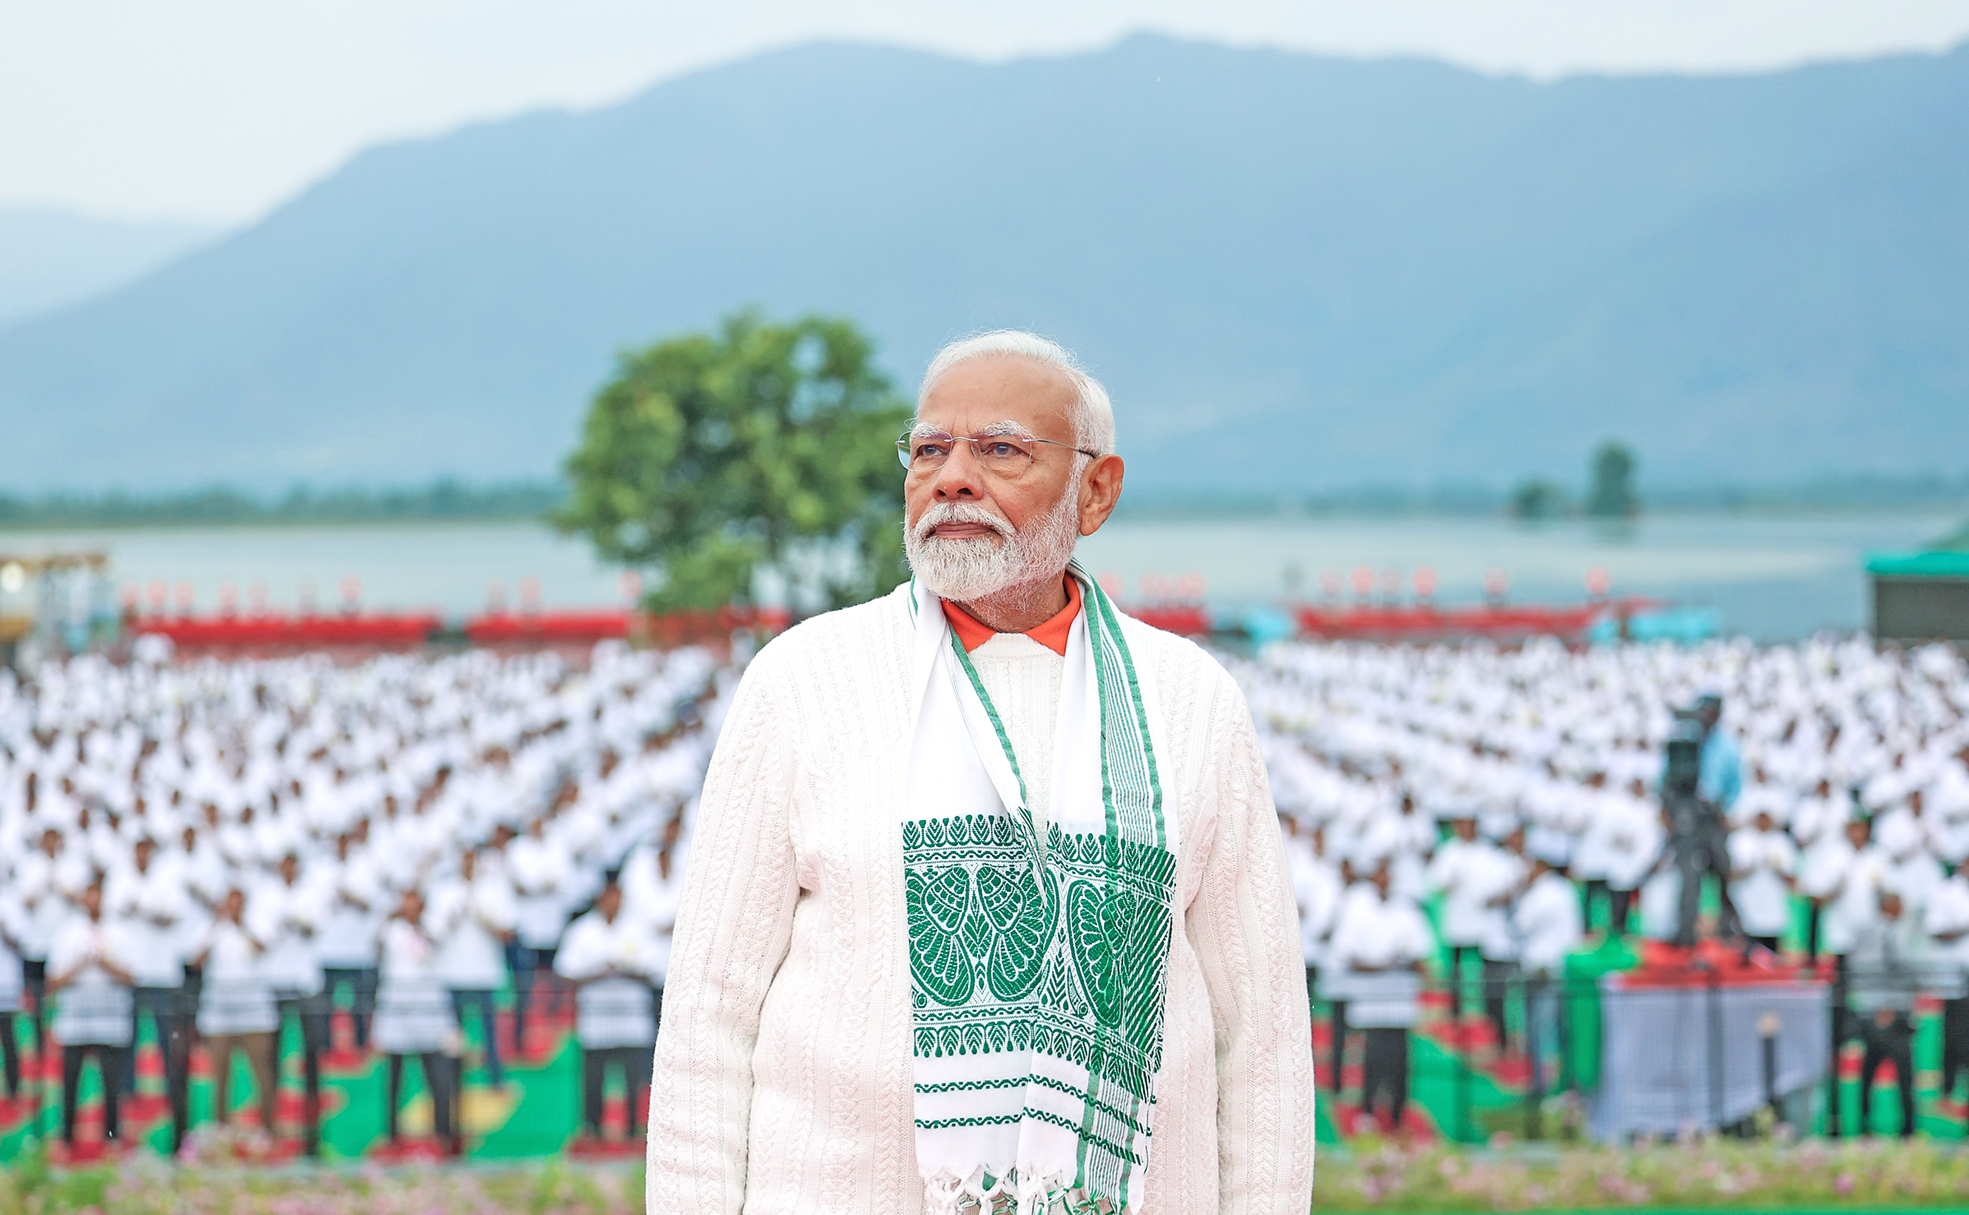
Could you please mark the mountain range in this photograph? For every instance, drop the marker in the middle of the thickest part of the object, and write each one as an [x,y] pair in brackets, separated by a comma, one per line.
[1294,272]
[51,258]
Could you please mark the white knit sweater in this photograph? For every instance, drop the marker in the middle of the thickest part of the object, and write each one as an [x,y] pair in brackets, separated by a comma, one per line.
[783,1067]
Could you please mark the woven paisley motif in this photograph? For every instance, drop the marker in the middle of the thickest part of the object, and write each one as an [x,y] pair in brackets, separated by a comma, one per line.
[937,903]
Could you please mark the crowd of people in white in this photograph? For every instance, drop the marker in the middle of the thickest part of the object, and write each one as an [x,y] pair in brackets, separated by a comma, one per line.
[224,848]
[227,848]
[1521,788]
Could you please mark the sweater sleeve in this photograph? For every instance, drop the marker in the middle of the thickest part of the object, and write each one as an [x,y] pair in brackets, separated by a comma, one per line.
[1244,929]
[733,927]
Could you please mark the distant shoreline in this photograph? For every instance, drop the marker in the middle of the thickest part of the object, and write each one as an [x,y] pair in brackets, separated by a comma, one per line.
[453,502]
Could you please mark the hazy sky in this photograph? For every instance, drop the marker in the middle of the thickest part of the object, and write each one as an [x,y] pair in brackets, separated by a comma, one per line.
[220,109]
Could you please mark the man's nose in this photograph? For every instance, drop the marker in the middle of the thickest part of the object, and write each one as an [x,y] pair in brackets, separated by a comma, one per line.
[960,478]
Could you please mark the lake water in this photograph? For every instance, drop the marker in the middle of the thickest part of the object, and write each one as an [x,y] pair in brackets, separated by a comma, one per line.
[1769,577]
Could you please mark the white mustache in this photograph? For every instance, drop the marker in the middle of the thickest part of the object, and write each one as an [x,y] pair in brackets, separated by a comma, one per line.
[960,512]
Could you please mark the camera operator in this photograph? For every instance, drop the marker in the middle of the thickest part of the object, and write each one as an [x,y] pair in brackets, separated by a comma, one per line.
[1702,778]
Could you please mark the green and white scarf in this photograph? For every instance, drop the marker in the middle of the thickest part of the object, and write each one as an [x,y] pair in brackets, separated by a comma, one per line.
[1037,969]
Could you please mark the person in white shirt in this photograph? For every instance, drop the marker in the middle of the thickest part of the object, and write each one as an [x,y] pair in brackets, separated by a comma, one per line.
[1634,839]
[147,902]
[1947,924]
[1763,873]
[288,913]
[1549,925]
[89,970]
[1887,967]
[413,1017]
[1508,870]
[1818,827]
[236,1010]
[1317,889]
[608,958]
[49,881]
[13,926]
[1469,871]
[351,918]
[1377,948]
[1852,896]
[541,873]
[474,916]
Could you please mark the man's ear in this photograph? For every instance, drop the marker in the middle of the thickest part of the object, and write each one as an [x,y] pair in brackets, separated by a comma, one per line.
[1100,490]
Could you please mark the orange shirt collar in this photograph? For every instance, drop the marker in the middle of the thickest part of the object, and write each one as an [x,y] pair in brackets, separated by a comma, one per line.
[973,633]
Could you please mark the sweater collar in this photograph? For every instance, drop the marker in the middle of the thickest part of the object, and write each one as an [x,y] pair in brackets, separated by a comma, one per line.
[972,632]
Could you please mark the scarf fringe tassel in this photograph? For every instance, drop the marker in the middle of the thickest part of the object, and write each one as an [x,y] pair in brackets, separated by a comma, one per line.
[1009,1194]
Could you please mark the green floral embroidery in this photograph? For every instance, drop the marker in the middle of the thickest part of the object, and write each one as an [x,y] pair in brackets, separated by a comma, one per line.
[1059,949]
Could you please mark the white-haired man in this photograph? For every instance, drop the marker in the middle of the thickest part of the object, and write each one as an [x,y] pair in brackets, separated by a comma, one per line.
[987,893]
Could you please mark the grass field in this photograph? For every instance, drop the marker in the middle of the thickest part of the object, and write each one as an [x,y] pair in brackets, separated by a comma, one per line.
[1696,1176]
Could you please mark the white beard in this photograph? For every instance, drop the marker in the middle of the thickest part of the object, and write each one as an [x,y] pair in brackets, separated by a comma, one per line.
[965,570]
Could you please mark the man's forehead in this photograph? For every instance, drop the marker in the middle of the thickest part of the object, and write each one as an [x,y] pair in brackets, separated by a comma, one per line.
[1010,392]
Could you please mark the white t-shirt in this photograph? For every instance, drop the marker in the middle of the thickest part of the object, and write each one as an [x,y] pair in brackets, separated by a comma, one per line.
[616,1009]
[1468,874]
[352,909]
[286,920]
[1547,921]
[542,875]
[1764,859]
[1857,905]
[94,1008]
[1373,945]
[413,1011]
[150,908]
[467,919]
[235,996]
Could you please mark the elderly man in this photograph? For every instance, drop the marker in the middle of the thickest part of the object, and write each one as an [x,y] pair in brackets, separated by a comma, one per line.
[987,907]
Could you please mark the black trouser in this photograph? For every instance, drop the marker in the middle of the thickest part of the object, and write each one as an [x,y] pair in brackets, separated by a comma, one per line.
[1497,984]
[1893,1042]
[361,981]
[1386,1073]
[34,984]
[595,1062]
[1955,1042]
[310,1014]
[1545,1010]
[167,1009]
[1338,1014]
[1457,955]
[439,1079]
[1618,902]
[10,1055]
[481,999]
[109,1068]
[1339,1018]
[1812,932]
[525,963]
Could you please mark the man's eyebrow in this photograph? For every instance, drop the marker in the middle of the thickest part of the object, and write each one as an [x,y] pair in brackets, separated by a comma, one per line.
[1005,428]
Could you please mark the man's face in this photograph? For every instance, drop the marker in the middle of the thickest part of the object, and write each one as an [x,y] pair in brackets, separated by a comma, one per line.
[990,531]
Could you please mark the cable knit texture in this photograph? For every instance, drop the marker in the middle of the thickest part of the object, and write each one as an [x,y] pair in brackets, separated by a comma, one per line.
[783,1080]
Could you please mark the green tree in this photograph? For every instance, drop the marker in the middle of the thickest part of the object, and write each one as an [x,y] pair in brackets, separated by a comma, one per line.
[710,457]
[1612,495]
[1537,498]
